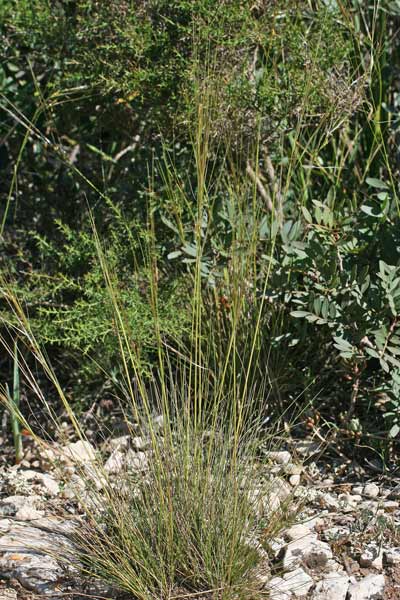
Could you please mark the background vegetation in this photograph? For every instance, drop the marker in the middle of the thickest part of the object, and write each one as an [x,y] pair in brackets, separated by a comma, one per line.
[295,104]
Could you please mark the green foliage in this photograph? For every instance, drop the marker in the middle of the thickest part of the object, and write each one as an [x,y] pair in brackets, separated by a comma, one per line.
[339,281]
[274,61]
[70,308]
[297,227]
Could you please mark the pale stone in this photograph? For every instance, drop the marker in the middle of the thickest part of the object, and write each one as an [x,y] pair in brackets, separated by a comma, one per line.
[278,589]
[296,532]
[391,557]
[275,546]
[8,594]
[33,571]
[119,443]
[299,582]
[158,421]
[314,553]
[44,479]
[328,482]
[298,546]
[263,501]
[369,505]
[281,458]
[281,488]
[391,505]
[349,499]
[27,553]
[270,504]
[332,587]
[317,556]
[372,556]
[275,469]
[28,513]
[12,504]
[313,523]
[80,452]
[74,489]
[94,476]
[329,501]
[115,462]
[333,567]
[50,484]
[5,525]
[139,461]
[371,490]
[28,474]
[294,480]
[292,469]
[369,588]
[335,533]
[127,441]
[139,442]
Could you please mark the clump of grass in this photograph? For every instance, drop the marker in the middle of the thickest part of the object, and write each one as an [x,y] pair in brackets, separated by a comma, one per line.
[191,524]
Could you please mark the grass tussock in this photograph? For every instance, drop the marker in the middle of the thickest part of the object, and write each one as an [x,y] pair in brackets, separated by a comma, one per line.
[197,519]
[197,516]
[192,525]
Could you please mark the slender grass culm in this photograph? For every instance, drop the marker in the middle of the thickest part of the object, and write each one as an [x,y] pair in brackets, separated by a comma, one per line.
[13,404]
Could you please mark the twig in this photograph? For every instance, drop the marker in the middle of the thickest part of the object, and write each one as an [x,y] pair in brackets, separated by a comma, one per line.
[354,392]
[329,444]
[274,183]
[125,151]
[260,187]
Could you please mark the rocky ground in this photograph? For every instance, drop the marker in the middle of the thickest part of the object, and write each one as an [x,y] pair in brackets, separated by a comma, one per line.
[345,544]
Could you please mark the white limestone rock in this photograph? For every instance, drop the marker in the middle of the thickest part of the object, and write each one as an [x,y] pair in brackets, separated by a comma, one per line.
[372,556]
[10,505]
[8,594]
[115,462]
[307,550]
[282,457]
[371,490]
[294,480]
[332,587]
[391,557]
[28,513]
[28,553]
[80,452]
[297,583]
[371,587]
[137,461]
